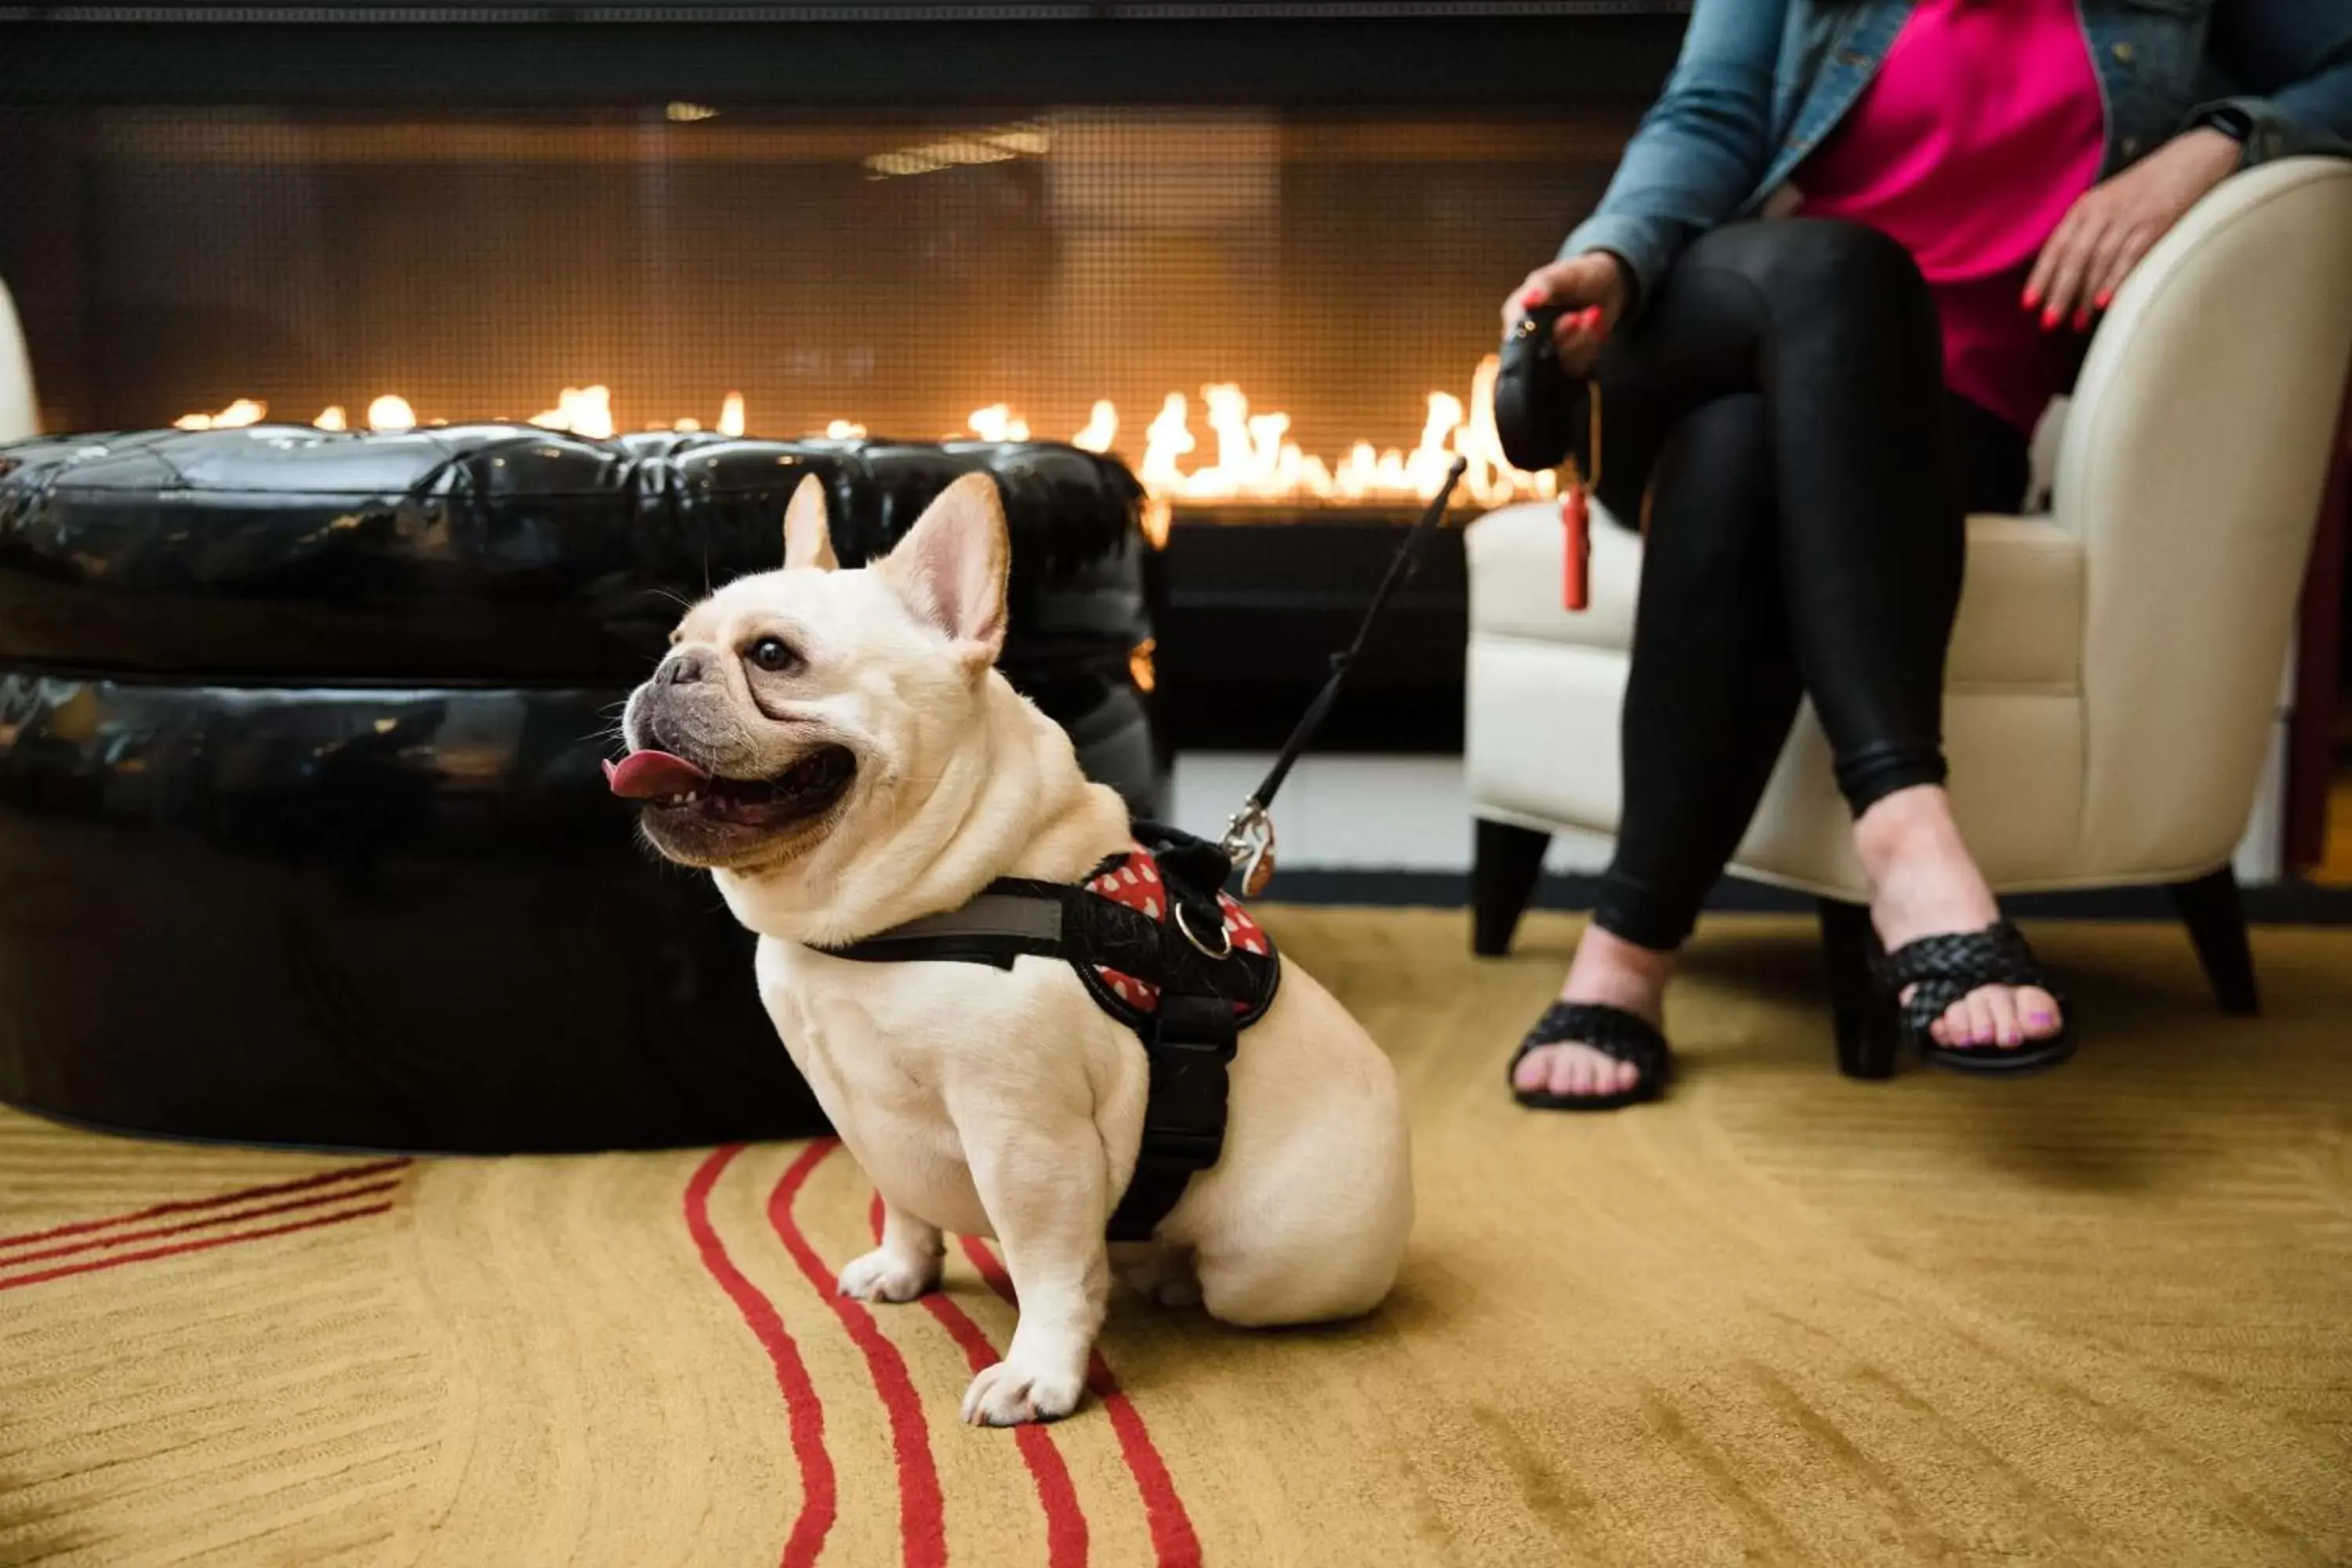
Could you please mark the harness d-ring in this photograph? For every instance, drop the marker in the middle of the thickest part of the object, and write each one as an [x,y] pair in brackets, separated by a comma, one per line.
[1186,926]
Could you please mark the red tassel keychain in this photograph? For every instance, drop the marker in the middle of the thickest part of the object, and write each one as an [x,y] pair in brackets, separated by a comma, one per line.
[1576,519]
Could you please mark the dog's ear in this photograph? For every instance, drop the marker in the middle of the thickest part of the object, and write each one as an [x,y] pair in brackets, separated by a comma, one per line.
[950,567]
[808,536]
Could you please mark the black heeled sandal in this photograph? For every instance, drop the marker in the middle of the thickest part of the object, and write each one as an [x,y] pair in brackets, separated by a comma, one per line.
[1616,1034]
[1943,969]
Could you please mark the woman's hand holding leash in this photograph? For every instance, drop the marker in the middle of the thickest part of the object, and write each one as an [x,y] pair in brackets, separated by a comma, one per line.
[1592,290]
[1575,302]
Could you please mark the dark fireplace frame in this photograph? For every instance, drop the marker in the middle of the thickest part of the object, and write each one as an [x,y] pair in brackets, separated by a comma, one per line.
[841,52]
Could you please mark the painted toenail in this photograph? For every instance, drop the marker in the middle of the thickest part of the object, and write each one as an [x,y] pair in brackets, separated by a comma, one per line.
[2040,1020]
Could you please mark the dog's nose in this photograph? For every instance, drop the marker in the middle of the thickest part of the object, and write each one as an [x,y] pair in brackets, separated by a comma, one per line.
[683,668]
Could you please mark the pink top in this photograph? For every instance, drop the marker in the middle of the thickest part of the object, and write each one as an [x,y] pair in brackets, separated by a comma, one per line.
[1983,125]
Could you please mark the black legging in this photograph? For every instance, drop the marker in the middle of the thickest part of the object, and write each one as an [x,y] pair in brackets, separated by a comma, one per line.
[1782,398]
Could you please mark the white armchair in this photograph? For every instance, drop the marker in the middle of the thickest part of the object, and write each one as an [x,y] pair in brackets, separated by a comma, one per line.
[2114,666]
[18,417]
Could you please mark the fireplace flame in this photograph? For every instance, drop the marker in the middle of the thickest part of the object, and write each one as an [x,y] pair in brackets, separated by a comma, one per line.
[391,411]
[582,410]
[1252,458]
[1257,462]
[996,423]
[242,412]
[1100,429]
[1165,439]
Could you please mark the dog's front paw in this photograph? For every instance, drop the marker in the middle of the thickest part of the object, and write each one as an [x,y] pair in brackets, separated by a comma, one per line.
[881,1276]
[1011,1393]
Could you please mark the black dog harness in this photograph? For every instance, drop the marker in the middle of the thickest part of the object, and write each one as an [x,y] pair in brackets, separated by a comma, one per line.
[1159,948]
[1158,944]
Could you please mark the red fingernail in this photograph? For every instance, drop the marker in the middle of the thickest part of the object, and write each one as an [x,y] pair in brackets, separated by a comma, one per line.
[1590,319]
[1532,298]
[2106,299]
[2032,297]
[2050,319]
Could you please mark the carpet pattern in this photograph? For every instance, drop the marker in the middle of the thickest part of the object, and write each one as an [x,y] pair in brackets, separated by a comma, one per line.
[2103,1317]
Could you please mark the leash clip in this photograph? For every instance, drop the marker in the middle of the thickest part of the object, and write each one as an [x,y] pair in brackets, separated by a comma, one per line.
[1248,843]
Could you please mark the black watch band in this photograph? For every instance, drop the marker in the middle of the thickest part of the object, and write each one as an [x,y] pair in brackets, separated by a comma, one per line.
[2230,121]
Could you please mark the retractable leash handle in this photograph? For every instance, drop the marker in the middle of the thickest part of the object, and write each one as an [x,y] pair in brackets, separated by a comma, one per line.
[1536,407]
[1248,842]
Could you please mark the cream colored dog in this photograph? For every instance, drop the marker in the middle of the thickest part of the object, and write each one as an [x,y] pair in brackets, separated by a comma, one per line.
[838,749]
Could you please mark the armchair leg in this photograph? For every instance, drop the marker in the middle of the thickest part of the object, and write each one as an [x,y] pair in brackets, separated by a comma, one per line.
[1503,866]
[2216,919]
[1866,1032]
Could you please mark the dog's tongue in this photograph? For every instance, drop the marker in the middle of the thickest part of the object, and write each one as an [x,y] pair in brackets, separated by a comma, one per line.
[648,775]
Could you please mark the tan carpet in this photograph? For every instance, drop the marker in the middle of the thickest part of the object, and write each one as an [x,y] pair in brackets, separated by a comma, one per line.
[2103,1316]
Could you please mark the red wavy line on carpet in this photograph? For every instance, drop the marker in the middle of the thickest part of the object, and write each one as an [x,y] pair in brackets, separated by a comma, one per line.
[124,1239]
[189,1205]
[1066,1519]
[923,1517]
[801,1407]
[1173,1542]
[94,1265]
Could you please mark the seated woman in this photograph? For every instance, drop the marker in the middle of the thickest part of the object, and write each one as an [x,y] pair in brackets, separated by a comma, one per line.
[1808,406]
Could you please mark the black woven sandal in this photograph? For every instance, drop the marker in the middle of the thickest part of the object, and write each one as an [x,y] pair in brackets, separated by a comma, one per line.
[1946,968]
[1612,1031]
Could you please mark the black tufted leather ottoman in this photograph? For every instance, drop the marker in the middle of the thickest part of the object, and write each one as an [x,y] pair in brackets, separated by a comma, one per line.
[302,833]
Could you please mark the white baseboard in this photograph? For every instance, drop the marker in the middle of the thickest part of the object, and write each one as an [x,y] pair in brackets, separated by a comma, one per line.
[1345,812]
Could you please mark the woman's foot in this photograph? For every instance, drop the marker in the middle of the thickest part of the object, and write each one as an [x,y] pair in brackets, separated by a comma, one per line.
[1614,972]
[1925,883]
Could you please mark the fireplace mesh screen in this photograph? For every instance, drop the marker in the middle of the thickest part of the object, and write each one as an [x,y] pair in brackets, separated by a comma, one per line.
[1062,270]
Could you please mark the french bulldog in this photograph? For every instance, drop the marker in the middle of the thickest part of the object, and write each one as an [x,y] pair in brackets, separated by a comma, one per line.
[838,750]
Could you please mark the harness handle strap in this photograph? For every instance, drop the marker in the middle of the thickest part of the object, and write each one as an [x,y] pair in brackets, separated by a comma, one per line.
[1192,1041]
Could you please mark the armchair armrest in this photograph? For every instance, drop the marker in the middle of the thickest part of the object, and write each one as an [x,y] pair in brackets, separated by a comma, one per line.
[2191,468]
[19,415]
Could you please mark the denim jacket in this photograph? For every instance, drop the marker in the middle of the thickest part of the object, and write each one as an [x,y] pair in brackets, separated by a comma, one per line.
[1761,82]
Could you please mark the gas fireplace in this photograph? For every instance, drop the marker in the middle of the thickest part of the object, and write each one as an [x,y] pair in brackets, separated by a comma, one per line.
[1276,309]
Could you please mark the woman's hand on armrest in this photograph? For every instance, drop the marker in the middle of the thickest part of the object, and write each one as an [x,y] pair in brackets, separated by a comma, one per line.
[1590,288]
[2108,229]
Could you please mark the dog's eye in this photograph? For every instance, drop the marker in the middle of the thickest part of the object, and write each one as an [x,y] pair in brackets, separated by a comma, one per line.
[771,654]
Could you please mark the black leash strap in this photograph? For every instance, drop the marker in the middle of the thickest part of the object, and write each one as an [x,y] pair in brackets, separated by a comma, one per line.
[1246,834]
